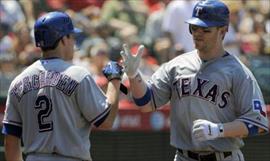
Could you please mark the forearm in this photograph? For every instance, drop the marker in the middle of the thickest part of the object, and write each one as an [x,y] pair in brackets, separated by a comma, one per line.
[203,130]
[235,129]
[113,92]
[137,86]
[12,148]
[239,129]
[113,99]
[138,89]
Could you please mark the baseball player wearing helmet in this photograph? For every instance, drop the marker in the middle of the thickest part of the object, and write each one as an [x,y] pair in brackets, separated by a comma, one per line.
[52,105]
[215,100]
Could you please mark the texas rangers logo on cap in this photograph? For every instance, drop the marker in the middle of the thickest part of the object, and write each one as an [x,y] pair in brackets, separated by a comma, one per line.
[198,10]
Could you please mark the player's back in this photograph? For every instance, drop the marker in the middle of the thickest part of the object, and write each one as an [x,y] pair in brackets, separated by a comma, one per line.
[45,94]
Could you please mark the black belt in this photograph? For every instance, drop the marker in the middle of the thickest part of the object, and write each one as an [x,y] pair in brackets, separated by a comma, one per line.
[203,157]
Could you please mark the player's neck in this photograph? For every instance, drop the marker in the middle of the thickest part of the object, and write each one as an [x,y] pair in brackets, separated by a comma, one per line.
[52,54]
[211,54]
[46,55]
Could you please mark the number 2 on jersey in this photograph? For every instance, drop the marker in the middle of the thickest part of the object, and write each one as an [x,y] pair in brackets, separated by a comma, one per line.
[44,105]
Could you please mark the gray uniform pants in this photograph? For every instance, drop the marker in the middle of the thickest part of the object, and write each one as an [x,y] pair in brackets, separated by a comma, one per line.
[50,157]
[236,155]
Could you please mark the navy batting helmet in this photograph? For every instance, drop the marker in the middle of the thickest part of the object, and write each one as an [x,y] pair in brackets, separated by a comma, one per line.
[51,27]
[210,13]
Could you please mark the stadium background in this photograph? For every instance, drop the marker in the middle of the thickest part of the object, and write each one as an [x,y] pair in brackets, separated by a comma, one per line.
[135,136]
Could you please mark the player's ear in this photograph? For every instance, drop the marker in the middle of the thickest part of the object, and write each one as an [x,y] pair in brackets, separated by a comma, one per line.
[223,30]
[64,39]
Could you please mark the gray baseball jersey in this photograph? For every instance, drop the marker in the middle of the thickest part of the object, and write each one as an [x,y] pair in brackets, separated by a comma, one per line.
[220,91]
[55,104]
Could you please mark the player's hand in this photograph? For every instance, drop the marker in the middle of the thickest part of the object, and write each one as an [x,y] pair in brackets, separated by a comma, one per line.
[203,130]
[131,63]
[113,71]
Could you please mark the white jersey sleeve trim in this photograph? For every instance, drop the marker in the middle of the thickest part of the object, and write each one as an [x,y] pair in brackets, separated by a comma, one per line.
[12,123]
[101,117]
[258,124]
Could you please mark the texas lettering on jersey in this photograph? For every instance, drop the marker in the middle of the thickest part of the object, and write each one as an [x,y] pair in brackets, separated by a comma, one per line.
[44,79]
[203,89]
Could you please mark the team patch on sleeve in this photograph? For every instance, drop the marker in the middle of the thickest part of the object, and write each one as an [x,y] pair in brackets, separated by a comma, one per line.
[259,107]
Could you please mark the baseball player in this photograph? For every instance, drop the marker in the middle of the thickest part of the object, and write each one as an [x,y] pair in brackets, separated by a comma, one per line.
[215,100]
[52,105]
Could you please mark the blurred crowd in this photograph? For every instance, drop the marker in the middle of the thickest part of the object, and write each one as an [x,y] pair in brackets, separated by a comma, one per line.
[107,24]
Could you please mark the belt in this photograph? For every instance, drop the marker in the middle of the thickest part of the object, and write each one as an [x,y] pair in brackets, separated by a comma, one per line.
[203,157]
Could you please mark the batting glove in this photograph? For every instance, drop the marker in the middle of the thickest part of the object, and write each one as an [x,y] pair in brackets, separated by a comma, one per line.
[203,130]
[131,63]
[113,71]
